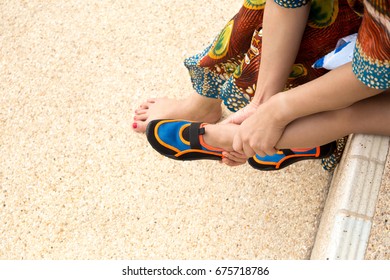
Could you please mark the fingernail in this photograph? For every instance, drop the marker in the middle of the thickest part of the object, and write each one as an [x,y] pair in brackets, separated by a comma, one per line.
[135,125]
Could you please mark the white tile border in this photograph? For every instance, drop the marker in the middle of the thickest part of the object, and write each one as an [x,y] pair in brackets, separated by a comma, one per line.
[346,221]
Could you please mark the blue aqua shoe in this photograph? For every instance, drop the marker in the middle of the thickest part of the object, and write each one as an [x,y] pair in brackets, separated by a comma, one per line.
[286,157]
[180,140]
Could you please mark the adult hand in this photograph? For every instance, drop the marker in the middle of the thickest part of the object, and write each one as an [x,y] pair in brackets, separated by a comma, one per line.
[241,115]
[233,158]
[260,133]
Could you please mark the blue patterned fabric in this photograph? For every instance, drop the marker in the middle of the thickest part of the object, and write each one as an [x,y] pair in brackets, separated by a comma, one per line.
[204,81]
[292,3]
[373,73]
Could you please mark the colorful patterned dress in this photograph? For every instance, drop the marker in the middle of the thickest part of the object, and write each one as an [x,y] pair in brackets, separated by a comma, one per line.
[228,68]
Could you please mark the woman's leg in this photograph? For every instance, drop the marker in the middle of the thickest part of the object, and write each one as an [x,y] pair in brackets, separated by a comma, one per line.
[195,107]
[369,116]
[208,70]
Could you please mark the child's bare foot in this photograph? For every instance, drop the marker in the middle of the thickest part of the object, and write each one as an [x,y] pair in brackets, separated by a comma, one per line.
[221,136]
[194,108]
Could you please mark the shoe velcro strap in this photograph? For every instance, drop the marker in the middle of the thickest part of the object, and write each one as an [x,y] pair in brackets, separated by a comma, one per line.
[195,131]
[287,152]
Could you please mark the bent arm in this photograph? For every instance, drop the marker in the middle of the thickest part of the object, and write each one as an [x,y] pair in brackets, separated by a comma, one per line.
[335,90]
[366,76]
[282,34]
[263,131]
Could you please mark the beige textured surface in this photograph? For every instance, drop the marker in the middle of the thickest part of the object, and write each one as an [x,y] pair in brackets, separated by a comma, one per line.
[379,243]
[77,183]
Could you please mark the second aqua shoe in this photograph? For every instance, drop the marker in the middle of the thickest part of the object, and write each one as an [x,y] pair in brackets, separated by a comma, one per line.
[285,157]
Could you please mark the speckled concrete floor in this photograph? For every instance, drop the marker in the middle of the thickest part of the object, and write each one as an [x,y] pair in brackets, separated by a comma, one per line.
[77,183]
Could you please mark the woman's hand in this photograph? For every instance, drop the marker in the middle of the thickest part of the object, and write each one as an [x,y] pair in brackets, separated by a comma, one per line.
[233,158]
[241,115]
[260,133]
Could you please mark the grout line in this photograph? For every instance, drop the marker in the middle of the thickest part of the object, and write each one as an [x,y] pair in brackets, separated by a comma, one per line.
[349,213]
[367,159]
[346,220]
